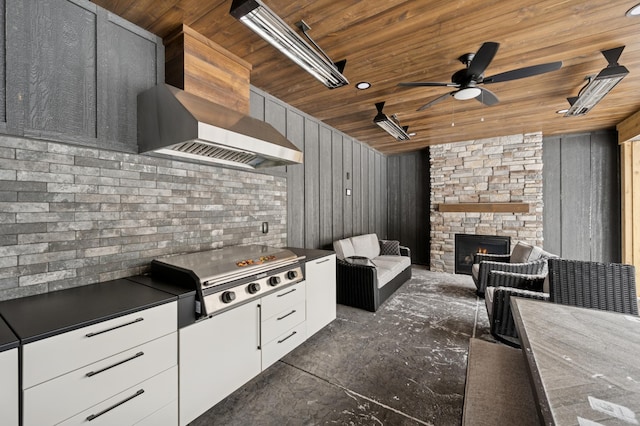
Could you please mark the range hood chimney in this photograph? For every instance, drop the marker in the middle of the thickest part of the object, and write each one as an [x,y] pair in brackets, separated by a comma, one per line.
[206,118]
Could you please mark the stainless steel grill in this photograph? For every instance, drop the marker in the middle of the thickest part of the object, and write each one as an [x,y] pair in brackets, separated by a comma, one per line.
[230,276]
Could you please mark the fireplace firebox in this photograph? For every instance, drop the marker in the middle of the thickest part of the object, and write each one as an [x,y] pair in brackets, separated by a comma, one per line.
[468,244]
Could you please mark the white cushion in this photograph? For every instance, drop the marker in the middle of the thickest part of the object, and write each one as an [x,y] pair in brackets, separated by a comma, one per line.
[488,300]
[366,245]
[475,270]
[388,267]
[343,248]
[520,253]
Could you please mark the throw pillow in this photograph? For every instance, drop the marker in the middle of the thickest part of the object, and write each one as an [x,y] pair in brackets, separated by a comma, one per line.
[390,247]
[359,260]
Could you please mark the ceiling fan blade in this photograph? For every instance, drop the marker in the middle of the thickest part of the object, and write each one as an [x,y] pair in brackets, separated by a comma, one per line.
[435,101]
[523,72]
[427,83]
[487,97]
[483,58]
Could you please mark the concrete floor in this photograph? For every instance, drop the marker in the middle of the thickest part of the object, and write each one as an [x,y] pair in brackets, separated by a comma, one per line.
[403,365]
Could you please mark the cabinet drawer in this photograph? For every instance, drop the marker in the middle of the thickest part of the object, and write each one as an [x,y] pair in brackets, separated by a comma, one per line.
[9,388]
[136,404]
[281,322]
[279,301]
[48,358]
[283,344]
[166,416]
[64,396]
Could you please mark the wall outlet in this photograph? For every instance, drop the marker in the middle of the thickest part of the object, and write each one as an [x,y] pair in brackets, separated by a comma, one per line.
[348,192]
[265,227]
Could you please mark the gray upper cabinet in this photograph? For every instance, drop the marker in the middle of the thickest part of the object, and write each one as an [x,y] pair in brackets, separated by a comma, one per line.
[74,71]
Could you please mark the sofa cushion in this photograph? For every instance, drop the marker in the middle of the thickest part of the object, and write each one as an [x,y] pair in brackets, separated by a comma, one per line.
[366,245]
[520,253]
[488,301]
[343,248]
[475,271]
[389,266]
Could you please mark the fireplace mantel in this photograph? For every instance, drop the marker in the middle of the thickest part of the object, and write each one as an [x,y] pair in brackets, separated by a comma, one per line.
[484,207]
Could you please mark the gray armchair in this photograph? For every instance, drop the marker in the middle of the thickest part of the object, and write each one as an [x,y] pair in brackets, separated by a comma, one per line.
[524,259]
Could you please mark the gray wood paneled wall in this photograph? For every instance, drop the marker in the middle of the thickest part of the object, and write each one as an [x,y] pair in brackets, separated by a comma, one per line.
[582,196]
[73,71]
[318,208]
[408,206]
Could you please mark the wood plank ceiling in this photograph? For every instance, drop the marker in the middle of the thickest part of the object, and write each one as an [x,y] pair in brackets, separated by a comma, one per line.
[389,41]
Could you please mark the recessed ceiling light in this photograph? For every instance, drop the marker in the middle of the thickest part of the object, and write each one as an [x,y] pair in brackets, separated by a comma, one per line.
[634,11]
[363,85]
[561,111]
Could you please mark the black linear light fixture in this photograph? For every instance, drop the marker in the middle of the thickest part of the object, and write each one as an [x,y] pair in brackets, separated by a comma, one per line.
[391,125]
[597,87]
[257,16]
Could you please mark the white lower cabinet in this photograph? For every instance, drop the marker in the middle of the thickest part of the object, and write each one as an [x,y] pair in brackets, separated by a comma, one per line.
[217,356]
[137,405]
[117,372]
[320,275]
[9,388]
[283,323]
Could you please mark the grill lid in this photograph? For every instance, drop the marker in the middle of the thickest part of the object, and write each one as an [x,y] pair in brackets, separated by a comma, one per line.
[214,267]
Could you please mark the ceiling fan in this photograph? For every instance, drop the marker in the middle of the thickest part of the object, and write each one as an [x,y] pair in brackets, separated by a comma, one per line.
[466,80]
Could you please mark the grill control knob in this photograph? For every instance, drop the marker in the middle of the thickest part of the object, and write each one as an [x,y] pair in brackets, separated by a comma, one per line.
[228,297]
[253,288]
[274,281]
[292,275]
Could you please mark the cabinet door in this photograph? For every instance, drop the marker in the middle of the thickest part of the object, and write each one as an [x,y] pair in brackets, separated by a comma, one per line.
[217,356]
[321,293]
[9,387]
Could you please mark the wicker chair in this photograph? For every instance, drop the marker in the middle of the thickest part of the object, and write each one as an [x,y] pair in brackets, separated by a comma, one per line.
[595,285]
[524,259]
[610,287]
[501,287]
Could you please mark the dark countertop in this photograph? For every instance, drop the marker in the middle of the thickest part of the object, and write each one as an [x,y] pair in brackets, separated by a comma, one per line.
[311,254]
[8,340]
[37,317]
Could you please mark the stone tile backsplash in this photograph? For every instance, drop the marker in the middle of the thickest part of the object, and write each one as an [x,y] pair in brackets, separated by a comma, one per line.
[72,215]
[503,169]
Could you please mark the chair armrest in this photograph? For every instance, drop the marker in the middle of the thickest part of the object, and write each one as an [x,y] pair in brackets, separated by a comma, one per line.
[357,285]
[405,251]
[479,257]
[502,323]
[537,267]
[516,281]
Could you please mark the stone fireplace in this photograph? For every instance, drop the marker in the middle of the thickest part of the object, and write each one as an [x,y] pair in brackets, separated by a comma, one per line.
[473,186]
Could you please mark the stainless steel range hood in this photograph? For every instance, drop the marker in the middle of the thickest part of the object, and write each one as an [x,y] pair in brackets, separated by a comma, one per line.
[174,122]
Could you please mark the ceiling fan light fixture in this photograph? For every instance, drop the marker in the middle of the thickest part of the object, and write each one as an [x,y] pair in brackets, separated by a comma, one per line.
[467,93]
[261,20]
[634,11]
[390,125]
[598,86]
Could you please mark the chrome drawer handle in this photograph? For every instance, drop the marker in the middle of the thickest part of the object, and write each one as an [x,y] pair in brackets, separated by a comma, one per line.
[322,261]
[288,337]
[93,373]
[284,294]
[284,316]
[115,328]
[116,405]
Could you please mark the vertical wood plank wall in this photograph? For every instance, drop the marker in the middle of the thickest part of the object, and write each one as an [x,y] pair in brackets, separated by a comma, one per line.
[318,208]
[408,203]
[582,196]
